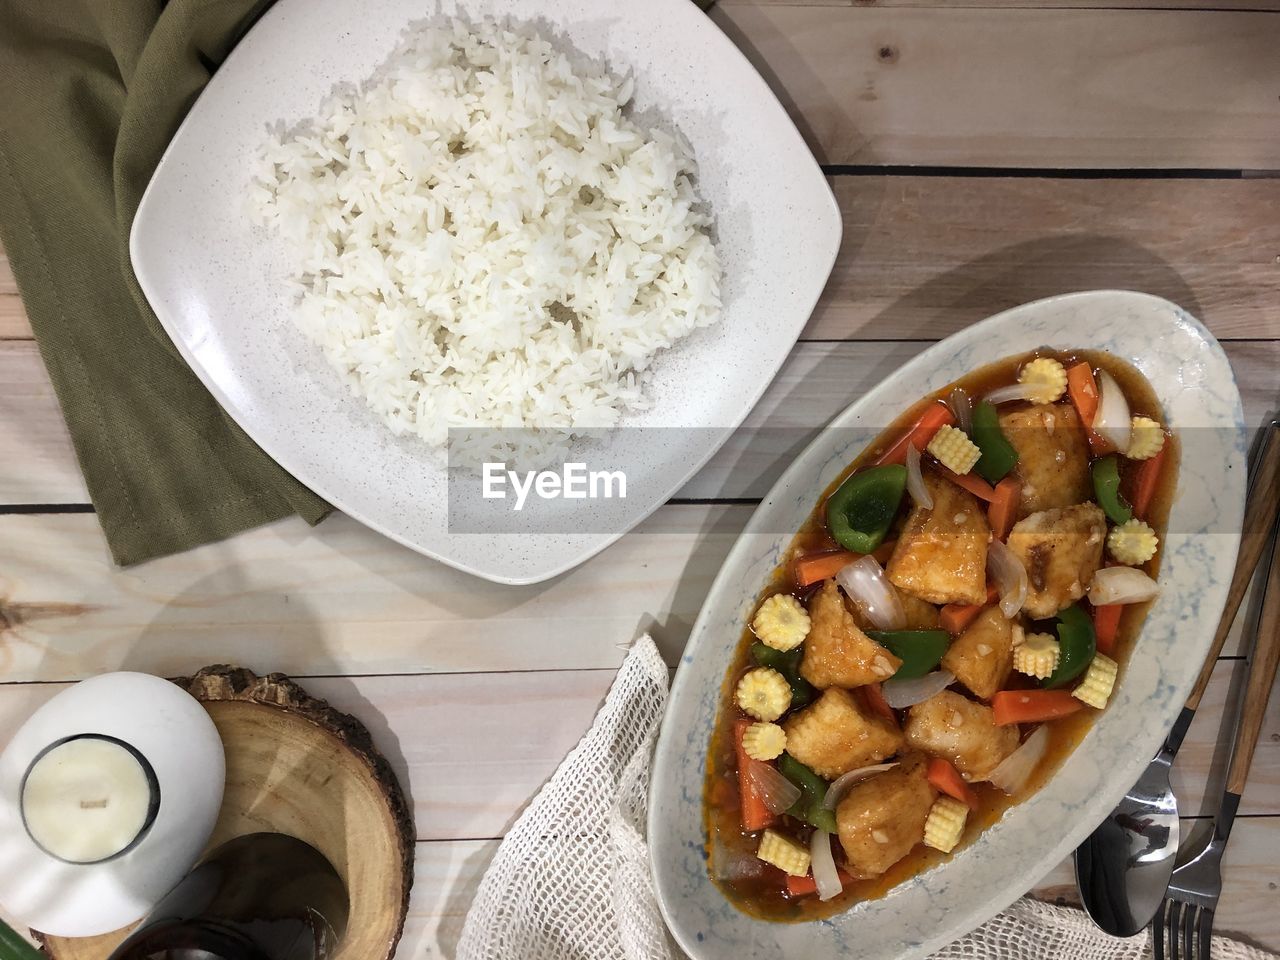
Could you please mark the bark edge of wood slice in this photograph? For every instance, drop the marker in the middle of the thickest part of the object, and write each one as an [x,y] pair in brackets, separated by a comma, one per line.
[296,765]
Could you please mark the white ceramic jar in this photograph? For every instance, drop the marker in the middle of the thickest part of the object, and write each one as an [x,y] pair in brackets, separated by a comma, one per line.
[108,794]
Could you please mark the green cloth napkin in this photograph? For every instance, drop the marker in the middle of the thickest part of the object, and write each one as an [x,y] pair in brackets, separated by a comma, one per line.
[91,93]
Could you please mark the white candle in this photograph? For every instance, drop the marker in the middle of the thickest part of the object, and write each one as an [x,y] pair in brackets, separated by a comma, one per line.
[87,799]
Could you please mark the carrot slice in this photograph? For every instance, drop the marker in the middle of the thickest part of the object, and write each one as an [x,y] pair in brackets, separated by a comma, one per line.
[876,702]
[937,416]
[1033,706]
[1145,487]
[821,566]
[801,886]
[955,617]
[1004,507]
[755,815]
[947,778]
[975,485]
[1083,390]
[1099,446]
[1106,624]
[806,885]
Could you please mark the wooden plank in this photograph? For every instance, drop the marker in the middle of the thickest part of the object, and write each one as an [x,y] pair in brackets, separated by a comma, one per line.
[925,256]
[1023,87]
[339,600]
[37,461]
[342,599]
[471,749]
[37,464]
[1253,5]
[447,875]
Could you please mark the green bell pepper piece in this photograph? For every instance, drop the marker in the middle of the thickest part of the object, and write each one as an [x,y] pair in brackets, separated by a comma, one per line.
[1078,644]
[813,790]
[1106,489]
[919,650]
[998,455]
[862,509]
[787,663]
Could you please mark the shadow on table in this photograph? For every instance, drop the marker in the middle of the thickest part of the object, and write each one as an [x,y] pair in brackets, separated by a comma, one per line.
[962,296]
[1024,272]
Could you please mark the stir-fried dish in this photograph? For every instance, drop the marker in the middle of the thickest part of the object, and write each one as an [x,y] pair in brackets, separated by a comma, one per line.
[945,627]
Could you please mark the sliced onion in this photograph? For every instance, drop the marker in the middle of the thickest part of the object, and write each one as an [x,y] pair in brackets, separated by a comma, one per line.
[962,407]
[1121,585]
[840,786]
[825,874]
[872,593]
[1112,421]
[1016,769]
[915,479]
[730,864]
[1014,391]
[1010,577]
[901,694]
[776,792]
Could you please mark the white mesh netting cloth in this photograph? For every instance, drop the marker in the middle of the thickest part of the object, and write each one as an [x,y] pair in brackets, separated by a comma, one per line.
[562,888]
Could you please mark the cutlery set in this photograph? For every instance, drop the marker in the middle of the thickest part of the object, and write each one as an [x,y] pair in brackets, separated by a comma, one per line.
[1134,870]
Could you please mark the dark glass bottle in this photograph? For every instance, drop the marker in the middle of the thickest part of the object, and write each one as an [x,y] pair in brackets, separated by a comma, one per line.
[265,896]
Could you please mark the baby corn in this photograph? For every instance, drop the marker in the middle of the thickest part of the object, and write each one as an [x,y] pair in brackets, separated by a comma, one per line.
[784,853]
[945,824]
[1132,543]
[1037,655]
[954,450]
[781,622]
[1099,681]
[764,694]
[1047,376]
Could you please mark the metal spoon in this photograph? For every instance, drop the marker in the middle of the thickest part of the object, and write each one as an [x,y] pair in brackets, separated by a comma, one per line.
[1123,868]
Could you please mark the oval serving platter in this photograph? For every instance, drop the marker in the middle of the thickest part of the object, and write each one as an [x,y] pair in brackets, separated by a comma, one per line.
[1190,374]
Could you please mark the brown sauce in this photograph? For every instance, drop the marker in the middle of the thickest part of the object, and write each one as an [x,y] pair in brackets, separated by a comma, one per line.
[763,894]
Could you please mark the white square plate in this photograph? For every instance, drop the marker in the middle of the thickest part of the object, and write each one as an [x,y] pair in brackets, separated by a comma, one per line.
[216,282]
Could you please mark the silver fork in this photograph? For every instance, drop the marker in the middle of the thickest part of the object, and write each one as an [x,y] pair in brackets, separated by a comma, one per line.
[1183,926]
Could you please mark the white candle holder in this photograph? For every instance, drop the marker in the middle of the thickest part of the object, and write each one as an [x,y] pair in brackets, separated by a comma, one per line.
[121,718]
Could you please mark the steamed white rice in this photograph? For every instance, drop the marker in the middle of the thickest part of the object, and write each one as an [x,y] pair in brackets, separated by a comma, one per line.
[484,239]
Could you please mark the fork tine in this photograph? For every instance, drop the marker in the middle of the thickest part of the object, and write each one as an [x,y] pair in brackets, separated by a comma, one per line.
[1157,930]
[1206,934]
[1174,925]
[1190,914]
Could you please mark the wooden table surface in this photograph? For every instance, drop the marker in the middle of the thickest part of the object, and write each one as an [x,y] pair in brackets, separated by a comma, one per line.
[984,153]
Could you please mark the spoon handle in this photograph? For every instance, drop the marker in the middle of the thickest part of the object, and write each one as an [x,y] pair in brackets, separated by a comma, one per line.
[1259,517]
[1262,675]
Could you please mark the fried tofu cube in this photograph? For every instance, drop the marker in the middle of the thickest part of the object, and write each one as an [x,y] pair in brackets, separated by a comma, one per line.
[1053,456]
[918,614]
[1061,550]
[941,556]
[883,817]
[955,728]
[837,734]
[982,656]
[837,653]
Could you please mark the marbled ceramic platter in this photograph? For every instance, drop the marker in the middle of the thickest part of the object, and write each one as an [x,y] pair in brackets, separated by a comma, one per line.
[1192,378]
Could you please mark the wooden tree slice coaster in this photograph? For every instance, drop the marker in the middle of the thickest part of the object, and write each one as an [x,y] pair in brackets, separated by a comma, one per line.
[297,766]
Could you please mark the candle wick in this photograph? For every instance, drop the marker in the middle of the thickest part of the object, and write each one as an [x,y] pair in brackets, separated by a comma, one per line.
[93,804]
